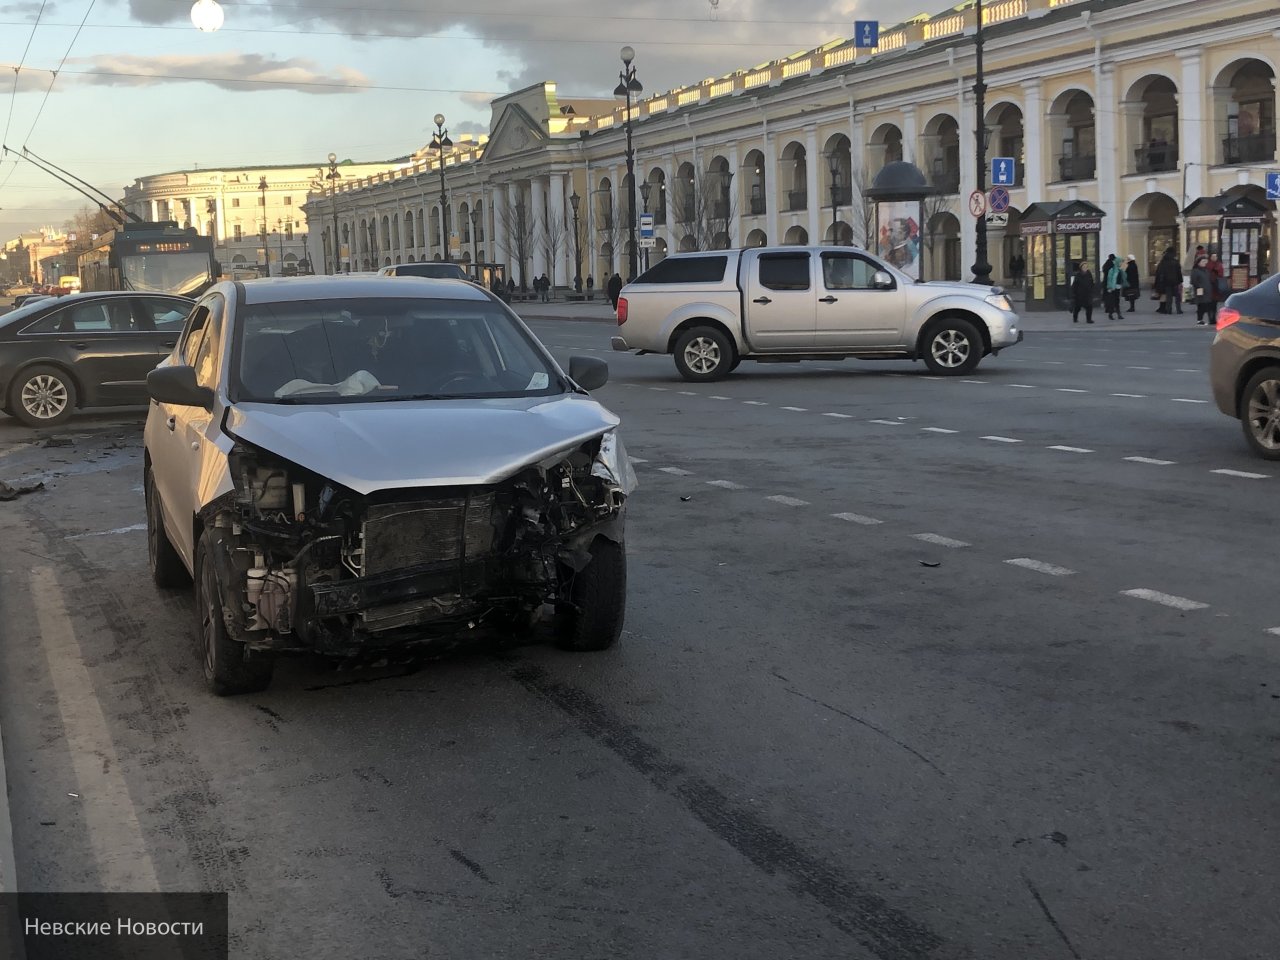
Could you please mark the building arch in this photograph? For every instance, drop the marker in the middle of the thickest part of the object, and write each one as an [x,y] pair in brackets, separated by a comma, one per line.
[686,201]
[753,184]
[718,188]
[940,146]
[1151,226]
[840,234]
[657,180]
[688,243]
[757,238]
[884,147]
[797,236]
[1151,125]
[837,171]
[1244,108]
[1072,135]
[1004,120]
[793,176]
[942,246]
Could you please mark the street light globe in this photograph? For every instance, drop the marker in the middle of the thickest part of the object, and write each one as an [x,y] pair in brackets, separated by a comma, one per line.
[628,54]
[333,158]
[439,119]
[206,15]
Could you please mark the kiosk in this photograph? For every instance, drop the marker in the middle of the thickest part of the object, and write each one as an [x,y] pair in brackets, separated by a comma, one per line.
[1240,229]
[1056,237]
[898,193]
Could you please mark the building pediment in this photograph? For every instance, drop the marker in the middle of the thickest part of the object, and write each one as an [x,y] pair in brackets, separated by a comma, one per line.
[515,133]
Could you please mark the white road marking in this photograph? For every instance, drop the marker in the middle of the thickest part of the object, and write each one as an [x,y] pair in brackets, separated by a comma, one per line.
[1150,460]
[973,381]
[797,409]
[1070,449]
[686,393]
[888,423]
[1177,353]
[857,518]
[104,806]
[938,430]
[839,416]
[1180,370]
[1137,368]
[1002,439]
[714,397]
[1022,386]
[107,533]
[939,540]
[1070,390]
[1185,400]
[754,403]
[637,460]
[1039,566]
[1165,599]
[676,471]
[1242,474]
[1056,363]
[1133,396]
[788,501]
[1095,364]
[1274,631]
[660,389]
[725,485]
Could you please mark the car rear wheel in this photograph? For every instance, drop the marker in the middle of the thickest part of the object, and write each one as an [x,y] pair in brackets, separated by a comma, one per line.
[952,347]
[592,620]
[42,396]
[228,667]
[1260,413]
[166,566]
[704,354]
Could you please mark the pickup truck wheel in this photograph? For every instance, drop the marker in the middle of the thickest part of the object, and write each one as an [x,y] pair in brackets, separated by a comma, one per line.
[592,620]
[952,347]
[228,669]
[704,354]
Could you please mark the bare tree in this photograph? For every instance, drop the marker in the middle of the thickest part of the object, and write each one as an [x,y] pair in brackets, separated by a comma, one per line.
[608,229]
[705,210]
[932,208]
[554,235]
[862,210]
[87,225]
[517,221]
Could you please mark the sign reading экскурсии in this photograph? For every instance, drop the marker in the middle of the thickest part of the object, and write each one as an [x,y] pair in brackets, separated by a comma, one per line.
[1079,225]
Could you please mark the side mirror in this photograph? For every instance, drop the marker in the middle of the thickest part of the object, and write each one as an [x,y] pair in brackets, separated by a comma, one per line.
[177,385]
[882,280]
[589,373]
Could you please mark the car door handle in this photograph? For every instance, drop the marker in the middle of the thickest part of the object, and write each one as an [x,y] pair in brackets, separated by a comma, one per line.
[171,423]
[169,343]
[828,299]
[762,300]
[78,346]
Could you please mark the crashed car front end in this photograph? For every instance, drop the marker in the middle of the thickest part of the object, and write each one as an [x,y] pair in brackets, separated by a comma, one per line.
[307,563]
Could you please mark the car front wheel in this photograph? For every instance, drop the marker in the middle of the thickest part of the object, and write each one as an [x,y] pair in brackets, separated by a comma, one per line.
[228,667]
[592,619]
[42,396]
[1260,413]
[704,354]
[952,347]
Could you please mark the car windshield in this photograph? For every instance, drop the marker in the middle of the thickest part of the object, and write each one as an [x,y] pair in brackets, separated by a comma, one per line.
[327,351]
[185,274]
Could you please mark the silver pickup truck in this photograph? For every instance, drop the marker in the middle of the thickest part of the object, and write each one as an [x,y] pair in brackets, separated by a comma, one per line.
[712,310]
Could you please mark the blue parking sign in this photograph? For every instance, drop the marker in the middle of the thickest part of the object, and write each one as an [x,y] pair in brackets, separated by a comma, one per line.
[1003,171]
[1273,185]
[866,34]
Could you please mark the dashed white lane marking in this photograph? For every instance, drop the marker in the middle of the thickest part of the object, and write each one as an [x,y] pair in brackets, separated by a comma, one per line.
[1137,368]
[1039,566]
[788,501]
[107,533]
[1133,396]
[797,409]
[686,393]
[938,430]
[676,471]
[1186,400]
[1242,474]
[939,540]
[1152,461]
[725,485]
[839,416]
[755,403]
[659,389]
[638,460]
[1095,364]
[714,397]
[887,423]
[973,381]
[1274,631]
[1002,439]
[857,518]
[1070,390]
[1181,370]
[1023,386]
[1056,363]
[1165,599]
[1177,353]
[1071,449]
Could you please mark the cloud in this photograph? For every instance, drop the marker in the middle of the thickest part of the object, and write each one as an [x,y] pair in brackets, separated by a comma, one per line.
[470,126]
[229,71]
[27,8]
[29,80]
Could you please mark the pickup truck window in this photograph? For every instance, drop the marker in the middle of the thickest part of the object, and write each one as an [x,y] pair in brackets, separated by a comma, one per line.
[686,270]
[784,271]
[846,271]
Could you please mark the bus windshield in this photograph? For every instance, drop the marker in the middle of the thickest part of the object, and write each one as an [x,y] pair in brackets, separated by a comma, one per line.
[185,274]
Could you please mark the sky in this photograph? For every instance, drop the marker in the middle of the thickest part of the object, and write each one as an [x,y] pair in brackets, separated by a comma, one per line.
[138,90]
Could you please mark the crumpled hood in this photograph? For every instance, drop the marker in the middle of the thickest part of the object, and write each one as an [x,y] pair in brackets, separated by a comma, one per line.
[422,443]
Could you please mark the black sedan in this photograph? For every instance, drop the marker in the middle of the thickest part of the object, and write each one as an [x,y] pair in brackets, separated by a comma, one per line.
[84,350]
[1244,364]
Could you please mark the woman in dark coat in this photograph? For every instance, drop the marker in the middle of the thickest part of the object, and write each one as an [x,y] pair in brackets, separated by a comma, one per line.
[1082,291]
[615,289]
[1133,283]
[1202,290]
[1169,282]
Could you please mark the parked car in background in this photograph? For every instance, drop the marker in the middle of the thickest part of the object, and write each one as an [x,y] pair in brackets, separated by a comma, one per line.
[431,270]
[83,350]
[23,299]
[1244,364]
[352,467]
[713,310]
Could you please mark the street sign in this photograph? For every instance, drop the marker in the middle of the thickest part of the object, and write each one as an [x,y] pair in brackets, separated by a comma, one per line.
[866,34]
[997,219]
[1003,171]
[648,243]
[646,226]
[1273,185]
[999,199]
[977,203]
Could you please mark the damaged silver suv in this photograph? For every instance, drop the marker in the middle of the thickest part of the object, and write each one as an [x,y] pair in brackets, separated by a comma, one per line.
[353,467]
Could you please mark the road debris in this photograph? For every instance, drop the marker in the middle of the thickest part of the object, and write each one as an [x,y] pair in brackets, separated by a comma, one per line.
[930,563]
[14,491]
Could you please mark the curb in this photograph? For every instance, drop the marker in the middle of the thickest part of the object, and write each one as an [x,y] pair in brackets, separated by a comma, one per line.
[8,861]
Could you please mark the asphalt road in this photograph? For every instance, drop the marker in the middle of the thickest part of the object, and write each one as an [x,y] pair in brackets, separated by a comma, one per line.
[914,668]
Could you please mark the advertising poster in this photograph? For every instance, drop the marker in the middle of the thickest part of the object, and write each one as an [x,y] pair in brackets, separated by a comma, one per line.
[899,229]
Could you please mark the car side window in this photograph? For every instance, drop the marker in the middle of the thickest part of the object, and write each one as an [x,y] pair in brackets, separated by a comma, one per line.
[842,271]
[209,353]
[197,324]
[156,313]
[80,318]
[784,271]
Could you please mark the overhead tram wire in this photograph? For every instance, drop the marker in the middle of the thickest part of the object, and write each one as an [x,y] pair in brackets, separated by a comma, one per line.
[13,95]
[54,78]
[30,154]
[80,190]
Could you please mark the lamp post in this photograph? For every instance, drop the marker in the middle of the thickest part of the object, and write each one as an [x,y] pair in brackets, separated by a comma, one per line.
[645,189]
[627,85]
[440,142]
[280,239]
[574,201]
[834,162]
[333,176]
[266,253]
[475,242]
[981,268]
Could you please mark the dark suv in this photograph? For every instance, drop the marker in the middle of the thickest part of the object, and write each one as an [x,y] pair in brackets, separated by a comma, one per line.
[1244,364]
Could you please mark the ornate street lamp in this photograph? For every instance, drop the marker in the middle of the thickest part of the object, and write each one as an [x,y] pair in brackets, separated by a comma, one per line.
[834,162]
[574,201]
[627,85]
[206,15]
[475,241]
[440,142]
[333,176]
[266,253]
[645,188]
[981,267]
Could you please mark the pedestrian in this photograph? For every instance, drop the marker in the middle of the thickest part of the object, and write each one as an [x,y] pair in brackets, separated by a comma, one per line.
[546,289]
[591,287]
[615,289]
[1132,282]
[1013,268]
[1168,282]
[1202,289]
[1082,291]
[1221,286]
[1112,285]
[511,288]
[1021,272]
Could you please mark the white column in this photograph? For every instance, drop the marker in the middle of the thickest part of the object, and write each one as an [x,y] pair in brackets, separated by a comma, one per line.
[1033,140]
[555,210]
[219,220]
[1104,132]
[619,239]
[194,213]
[857,165]
[155,210]
[911,138]
[968,183]
[813,191]
[735,193]
[515,268]
[538,200]
[1192,118]
[498,237]
[673,238]
[772,195]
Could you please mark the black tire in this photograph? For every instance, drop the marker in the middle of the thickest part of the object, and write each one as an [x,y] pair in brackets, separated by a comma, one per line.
[167,569]
[1260,413]
[704,354]
[42,396]
[951,347]
[737,361]
[227,669]
[593,619]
